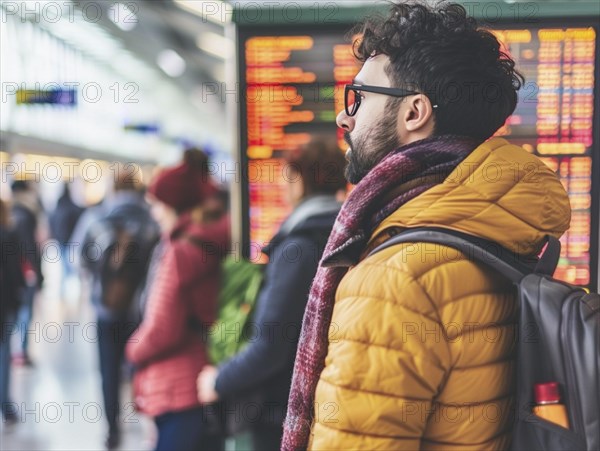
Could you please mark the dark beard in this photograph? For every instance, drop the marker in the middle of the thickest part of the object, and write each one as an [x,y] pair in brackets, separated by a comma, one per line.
[365,153]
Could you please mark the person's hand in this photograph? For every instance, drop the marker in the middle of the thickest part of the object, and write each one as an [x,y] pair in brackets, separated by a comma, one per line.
[206,385]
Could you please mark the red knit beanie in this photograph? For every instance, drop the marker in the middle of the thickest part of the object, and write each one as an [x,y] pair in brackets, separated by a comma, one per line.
[185,186]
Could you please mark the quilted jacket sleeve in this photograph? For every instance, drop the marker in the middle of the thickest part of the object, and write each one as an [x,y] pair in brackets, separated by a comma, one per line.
[405,362]
[420,355]
[386,362]
[164,325]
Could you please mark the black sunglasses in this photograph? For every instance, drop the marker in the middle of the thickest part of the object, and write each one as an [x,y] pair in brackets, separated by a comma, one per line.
[352,95]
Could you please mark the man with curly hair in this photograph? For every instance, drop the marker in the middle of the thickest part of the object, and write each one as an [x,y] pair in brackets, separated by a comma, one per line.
[413,347]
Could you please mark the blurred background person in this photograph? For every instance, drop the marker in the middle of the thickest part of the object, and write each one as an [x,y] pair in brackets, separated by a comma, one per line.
[115,241]
[261,373]
[26,212]
[168,349]
[62,223]
[12,284]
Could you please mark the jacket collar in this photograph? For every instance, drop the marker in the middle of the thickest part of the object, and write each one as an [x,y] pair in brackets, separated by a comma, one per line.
[309,207]
[524,196]
[215,232]
[313,213]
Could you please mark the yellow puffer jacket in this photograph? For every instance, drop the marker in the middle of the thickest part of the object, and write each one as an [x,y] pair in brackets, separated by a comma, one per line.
[421,346]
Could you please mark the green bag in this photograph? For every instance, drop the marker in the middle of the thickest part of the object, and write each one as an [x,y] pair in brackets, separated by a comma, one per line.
[240,283]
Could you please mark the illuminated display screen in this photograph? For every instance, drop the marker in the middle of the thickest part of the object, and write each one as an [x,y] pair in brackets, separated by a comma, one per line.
[47,97]
[554,119]
[295,88]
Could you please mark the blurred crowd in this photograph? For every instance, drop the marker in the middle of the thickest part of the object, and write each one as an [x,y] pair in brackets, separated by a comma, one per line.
[152,262]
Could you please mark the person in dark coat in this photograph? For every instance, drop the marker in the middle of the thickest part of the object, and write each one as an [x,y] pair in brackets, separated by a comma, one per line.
[12,283]
[26,210]
[259,376]
[62,223]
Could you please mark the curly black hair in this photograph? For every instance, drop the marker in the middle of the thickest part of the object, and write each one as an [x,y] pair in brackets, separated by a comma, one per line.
[440,51]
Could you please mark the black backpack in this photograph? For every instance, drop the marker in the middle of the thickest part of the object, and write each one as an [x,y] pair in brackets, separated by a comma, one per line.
[12,280]
[559,327]
[117,250]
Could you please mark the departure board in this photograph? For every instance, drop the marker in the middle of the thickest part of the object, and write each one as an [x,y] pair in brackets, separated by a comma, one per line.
[554,119]
[295,88]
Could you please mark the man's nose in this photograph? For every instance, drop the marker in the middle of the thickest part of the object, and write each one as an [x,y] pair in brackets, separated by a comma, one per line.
[344,121]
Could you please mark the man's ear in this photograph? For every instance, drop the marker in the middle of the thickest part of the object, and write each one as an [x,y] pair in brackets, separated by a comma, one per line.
[418,115]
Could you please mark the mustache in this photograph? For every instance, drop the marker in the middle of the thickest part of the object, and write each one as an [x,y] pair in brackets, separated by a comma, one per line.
[348,139]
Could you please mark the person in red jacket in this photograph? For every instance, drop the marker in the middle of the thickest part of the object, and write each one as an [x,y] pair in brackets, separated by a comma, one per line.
[168,348]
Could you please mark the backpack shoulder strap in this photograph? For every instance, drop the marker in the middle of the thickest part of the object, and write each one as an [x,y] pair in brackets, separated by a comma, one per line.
[509,264]
[129,210]
[549,259]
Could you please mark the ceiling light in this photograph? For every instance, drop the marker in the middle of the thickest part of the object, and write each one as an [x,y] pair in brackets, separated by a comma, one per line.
[215,44]
[171,63]
[216,11]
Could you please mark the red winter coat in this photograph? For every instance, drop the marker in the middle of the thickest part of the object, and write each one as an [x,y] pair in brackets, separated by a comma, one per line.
[168,351]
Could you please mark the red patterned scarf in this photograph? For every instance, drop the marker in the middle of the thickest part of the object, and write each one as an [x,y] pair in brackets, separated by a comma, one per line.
[399,177]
